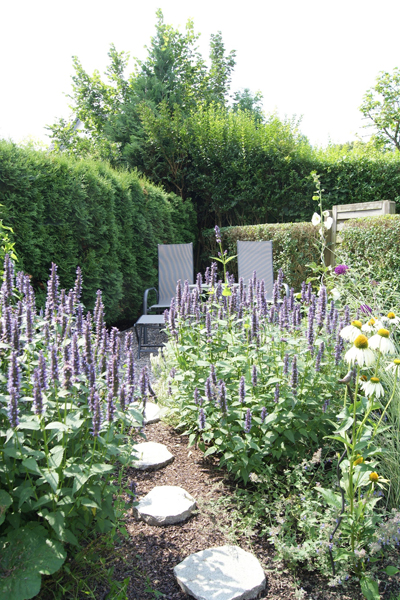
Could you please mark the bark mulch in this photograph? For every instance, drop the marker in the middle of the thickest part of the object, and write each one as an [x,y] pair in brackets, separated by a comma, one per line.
[150,553]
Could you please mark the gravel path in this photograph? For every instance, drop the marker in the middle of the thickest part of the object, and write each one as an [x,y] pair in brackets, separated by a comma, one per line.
[155,336]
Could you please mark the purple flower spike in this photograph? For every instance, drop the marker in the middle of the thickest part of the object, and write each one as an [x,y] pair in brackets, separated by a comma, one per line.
[264,414]
[67,372]
[122,398]
[367,310]
[217,234]
[42,371]
[14,374]
[319,356]
[286,364]
[202,419]
[54,364]
[321,306]
[110,407]
[222,397]
[213,375]
[97,417]
[341,269]
[78,284]
[208,389]
[276,394]
[254,376]
[242,389]
[247,421]
[13,410]
[37,393]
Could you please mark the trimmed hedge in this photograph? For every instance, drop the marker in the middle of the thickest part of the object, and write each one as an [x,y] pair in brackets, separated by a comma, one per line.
[372,243]
[85,213]
[294,246]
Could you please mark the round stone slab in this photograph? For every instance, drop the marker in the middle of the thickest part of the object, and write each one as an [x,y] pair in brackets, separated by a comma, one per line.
[165,505]
[224,573]
[151,455]
[152,413]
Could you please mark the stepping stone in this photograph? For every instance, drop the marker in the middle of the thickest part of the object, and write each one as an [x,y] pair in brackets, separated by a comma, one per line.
[224,573]
[152,413]
[151,455]
[165,505]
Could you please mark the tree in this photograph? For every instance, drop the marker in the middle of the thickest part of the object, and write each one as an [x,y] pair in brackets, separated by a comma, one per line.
[381,106]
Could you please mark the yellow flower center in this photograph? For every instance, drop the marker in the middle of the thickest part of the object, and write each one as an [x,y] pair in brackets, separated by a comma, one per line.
[361,342]
[357,324]
[383,333]
[363,378]
[375,379]
[397,361]
[372,321]
[373,476]
[358,461]
[391,315]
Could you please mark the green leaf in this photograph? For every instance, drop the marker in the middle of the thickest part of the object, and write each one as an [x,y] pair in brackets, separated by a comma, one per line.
[369,588]
[330,498]
[31,465]
[289,434]
[56,457]
[210,450]
[57,425]
[390,570]
[26,554]
[56,520]
[5,502]
[52,478]
[101,468]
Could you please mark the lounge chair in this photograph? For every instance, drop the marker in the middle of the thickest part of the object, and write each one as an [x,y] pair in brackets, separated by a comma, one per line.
[257,256]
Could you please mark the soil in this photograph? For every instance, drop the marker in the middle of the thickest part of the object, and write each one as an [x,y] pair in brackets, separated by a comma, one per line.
[150,553]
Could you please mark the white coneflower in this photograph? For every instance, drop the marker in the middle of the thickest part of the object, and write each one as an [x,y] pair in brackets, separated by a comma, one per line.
[350,332]
[391,318]
[380,341]
[393,365]
[373,387]
[372,325]
[360,353]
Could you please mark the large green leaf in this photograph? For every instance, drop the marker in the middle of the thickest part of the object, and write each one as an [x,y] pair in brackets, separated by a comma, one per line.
[330,498]
[25,555]
[369,588]
[5,502]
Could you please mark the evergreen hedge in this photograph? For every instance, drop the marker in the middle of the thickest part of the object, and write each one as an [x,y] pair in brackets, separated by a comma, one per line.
[84,213]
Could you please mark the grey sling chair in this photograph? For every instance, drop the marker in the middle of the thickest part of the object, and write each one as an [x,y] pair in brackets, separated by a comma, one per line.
[257,256]
[175,261]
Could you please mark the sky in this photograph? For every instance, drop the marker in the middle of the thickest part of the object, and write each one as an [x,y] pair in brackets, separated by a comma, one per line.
[310,58]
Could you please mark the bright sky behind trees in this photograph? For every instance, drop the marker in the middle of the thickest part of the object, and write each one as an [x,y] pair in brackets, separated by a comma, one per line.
[311,57]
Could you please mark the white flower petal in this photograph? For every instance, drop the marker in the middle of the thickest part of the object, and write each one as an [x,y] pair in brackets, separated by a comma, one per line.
[328,223]
[326,213]
[316,219]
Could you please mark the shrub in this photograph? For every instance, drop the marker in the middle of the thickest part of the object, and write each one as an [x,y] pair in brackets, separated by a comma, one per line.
[65,406]
[85,213]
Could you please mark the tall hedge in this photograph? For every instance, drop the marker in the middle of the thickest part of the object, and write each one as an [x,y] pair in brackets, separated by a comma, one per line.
[84,213]
[294,245]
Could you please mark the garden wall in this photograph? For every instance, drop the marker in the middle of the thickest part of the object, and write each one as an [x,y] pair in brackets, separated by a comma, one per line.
[85,213]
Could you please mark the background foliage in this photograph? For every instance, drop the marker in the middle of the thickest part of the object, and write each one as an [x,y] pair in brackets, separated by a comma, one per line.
[85,213]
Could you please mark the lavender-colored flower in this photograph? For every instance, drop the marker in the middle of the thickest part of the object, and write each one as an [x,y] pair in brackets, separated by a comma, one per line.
[13,410]
[340,269]
[275,294]
[15,335]
[29,323]
[222,397]
[112,376]
[208,326]
[98,316]
[197,398]
[310,329]
[54,364]
[213,273]
[130,370]
[272,312]
[213,375]
[254,376]
[110,407]
[70,302]
[202,419]
[276,393]
[37,393]
[303,292]
[247,421]
[217,234]
[199,282]
[286,364]
[14,374]
[255,326]
[339,347]
[97,416]
[67,379]
[263,414]
[347,319]
[114,342]
[207,276]
[291,300]
[43,371]
[294,377]
[283,315]
[309,293]
[52,287]
[75,357]
[319,356]
[143,382]
[66,353]
[172,319]
[79,321]
[78,284]
[242,389]
[321,306]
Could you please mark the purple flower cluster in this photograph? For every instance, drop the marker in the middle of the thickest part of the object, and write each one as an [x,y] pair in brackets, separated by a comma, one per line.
[340,269]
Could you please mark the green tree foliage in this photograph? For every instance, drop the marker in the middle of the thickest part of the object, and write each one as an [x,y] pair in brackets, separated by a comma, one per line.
[381,106]
[85,213]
